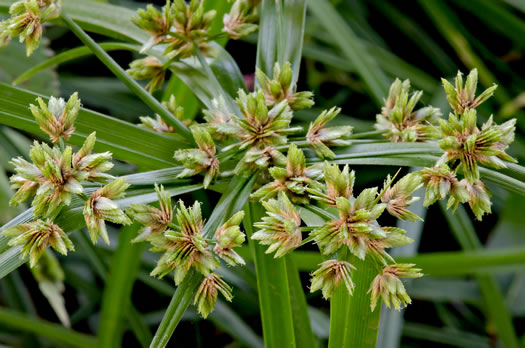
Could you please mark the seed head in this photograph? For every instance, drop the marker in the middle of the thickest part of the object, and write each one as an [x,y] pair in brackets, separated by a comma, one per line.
[57,118]
[463,141]
[337,184]
[399,196]
[281,88]
[321,138]
[479,200]
[155,22]
[201,159]
[191,25]
[229,236]
[357,228]
[256,158]
[330,275]
[261,127]
[401,122]
[389,287]
[280,228]
[462,96]
[100,208]
[184,248]
[439,182]
[154,220]
[58,181]
[94,164]
[207,293]
[159,125]
[149,68]
[293,180]
[35,236]
[241,20]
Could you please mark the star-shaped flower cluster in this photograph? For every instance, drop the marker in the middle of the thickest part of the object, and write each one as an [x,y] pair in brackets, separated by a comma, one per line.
[401,122]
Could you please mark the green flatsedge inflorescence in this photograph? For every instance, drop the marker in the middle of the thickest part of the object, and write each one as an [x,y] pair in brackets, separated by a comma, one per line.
[26,21]
[242,19]
[56,174]
[252,138]
[400,122]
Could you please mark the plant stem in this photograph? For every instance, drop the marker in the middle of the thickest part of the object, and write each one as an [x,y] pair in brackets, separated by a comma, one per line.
[273,288]
[133,85]
[178,304]
[352,324]
[184,293]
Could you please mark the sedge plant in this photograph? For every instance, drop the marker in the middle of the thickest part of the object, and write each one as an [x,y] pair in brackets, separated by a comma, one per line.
[271,172]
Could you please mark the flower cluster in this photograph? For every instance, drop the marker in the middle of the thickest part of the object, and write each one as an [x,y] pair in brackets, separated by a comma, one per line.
[281,88]
[321,138]
[153,220]
[355,228]
[259,131]
[295,179]
[26,21]
[184,246]
[400,122]
[330,275]
[36,236]
[54,175]
[158,124]
[179,26]
[149,68]
[57,119]
[389,287]
[242,19]
[466,146]
[201,159]
[100,207]
[280,229]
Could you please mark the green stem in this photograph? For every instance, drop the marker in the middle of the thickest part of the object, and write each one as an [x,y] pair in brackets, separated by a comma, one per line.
[133,85]
[304,336]
[54,332]
[273,288]
[367,134]
[352,324]
[179,302]
[184,293]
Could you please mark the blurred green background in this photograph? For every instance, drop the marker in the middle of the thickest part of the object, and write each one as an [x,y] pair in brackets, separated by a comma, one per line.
[419,40]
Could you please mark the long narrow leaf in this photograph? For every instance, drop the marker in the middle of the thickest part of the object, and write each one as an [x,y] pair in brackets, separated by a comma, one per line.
[436,264]
[281,32]
[496,307]
[353,50]
[55,332]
